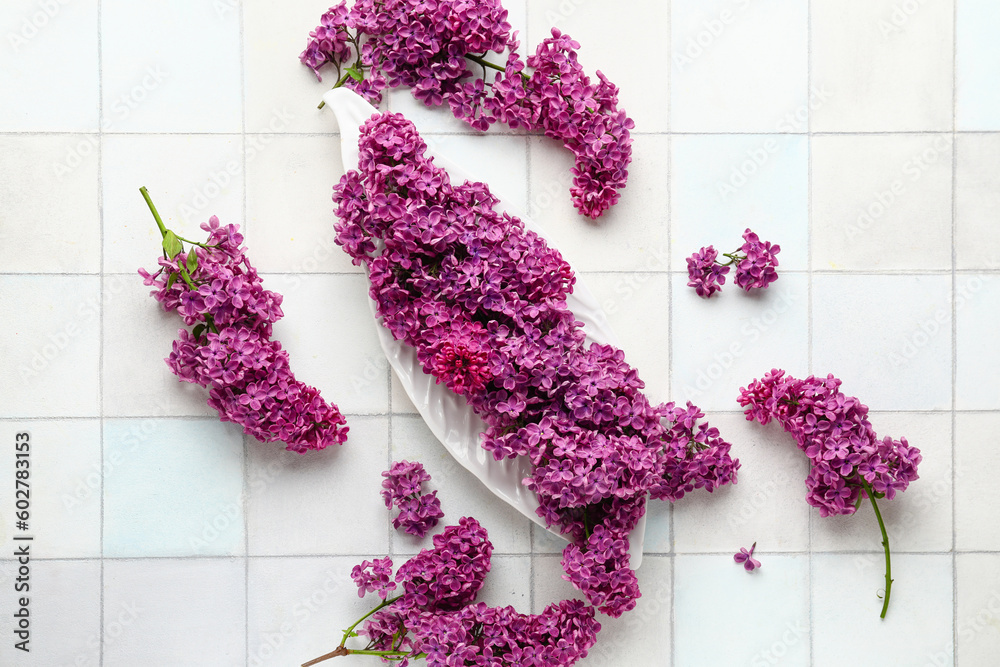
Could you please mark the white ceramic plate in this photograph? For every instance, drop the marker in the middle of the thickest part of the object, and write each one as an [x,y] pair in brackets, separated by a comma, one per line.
[446,413]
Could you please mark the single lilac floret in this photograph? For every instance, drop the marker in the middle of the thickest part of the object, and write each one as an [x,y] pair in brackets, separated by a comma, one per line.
[746,557]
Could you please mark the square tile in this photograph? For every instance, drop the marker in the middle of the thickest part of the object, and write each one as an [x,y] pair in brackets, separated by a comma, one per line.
[643,98]
[977,299]
[766,506]
[138,336]
[918,519]
[43,231]
[881,202]
[977,453]
[723,184]
[637,309]
[52,346]
[737,67]
[172,488]
[978,583]
[460,492]
[275,80]
[164,610]
[63,467]
[739,336]
[765,613]
[640,637]
[210,183]
[846,603]
[64,610]
[888,65]
[887,337]
[977,199]
[290,219]
[325,502]
[977,65]
[52,63]
[299,607]
[171,67]
[631,236]
[323,308]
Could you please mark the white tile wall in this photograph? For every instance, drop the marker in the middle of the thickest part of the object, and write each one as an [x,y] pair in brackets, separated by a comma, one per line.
[164,537]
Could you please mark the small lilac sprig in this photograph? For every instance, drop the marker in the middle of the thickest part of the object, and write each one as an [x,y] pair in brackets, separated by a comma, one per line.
[229,349]
[746,557]
[402,488]
[436,617]
[439,48]
[755,263]
[849,461]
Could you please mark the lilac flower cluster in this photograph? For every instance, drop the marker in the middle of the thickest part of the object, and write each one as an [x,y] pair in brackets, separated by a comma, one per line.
[437,617]
[402,487]
[755,266]
[482,300]
[834,432]
[430,46]
[217,291]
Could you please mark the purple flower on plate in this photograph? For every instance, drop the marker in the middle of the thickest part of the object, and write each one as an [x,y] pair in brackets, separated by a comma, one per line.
[746,557]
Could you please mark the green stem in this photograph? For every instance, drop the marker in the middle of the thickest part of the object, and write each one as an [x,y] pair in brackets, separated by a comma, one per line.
[343,650]
[156,216]
[381,605]
[486,63]
[885,545]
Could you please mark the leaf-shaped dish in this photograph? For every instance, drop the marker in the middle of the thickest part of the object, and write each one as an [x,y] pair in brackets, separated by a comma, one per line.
[446,413]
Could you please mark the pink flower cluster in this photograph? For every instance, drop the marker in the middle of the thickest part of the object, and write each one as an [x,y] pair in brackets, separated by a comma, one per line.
[436,615]
[482,300]
[217,291]
[402,487]
[433,46]
[755,266]
[834,432]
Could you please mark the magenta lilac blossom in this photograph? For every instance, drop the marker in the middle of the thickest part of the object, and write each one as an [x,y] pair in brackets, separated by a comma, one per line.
[482,300]
[849,461]
[403,488]
[436,616]
[438,49]
[755,263]
[229,350]
[746,558]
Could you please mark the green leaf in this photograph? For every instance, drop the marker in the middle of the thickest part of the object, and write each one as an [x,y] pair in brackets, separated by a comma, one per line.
[355,73]
[198,330]
[171,244]
[171,280]
[192,261]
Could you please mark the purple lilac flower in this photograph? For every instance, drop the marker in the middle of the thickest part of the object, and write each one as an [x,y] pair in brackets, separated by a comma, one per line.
[229,351]
[706,275]
[746,557]
[756,268]
[402,487]
[754,260]
[482,300]
[374,577]
[437,614]
[834,432]
[437,48]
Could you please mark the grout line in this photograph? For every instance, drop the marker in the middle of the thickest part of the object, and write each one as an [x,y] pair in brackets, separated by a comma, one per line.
[810,272]
[100,326]
[954,325]
[672,628]
[246,440]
